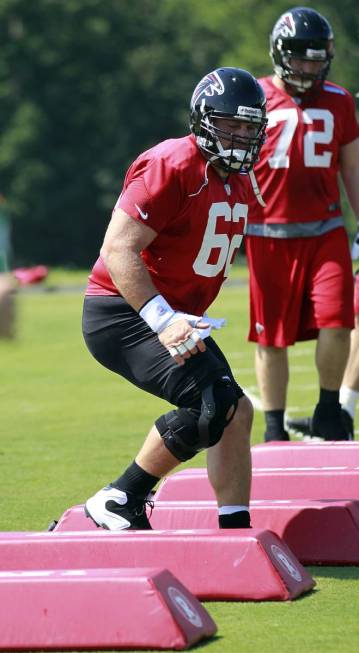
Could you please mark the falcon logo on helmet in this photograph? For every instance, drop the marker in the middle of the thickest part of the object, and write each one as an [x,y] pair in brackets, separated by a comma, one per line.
[208,86]
[286,26]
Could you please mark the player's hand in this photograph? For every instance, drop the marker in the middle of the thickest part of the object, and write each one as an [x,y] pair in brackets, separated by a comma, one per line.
[182,340]
[194,320]
[355,248]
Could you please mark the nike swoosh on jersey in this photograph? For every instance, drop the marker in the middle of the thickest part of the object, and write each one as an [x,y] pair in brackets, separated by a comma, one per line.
[143,215]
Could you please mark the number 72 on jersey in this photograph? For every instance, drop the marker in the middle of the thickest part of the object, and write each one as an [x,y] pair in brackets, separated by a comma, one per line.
[289,119]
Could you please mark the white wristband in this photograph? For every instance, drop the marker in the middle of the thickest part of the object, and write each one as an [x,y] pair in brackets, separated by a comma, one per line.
[157,313]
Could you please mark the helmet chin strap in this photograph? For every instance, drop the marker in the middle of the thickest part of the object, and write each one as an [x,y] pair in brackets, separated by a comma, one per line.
[301,86]
[240,157]
[256,190]
[252,177]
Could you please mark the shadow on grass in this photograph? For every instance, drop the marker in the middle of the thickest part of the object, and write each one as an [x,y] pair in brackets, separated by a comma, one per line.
[339,573]
[303,596]
[206,642]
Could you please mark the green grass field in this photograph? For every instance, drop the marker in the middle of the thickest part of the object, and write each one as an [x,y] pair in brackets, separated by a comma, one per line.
[68,426]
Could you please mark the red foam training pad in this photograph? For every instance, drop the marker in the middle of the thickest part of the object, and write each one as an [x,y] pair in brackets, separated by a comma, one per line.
[99,608]
[74,519]
[302,483]
[318,532]
[213,564]
[305,454]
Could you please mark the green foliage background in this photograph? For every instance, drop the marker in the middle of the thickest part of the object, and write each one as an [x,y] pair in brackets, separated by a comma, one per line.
[85,85]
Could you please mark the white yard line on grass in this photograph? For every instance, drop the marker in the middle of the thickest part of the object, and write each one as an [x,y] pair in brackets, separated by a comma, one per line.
[242,370]
[238,354]
[304,388]
[257,404]
[301,368]
[294,368]
[296,353]
[251,392]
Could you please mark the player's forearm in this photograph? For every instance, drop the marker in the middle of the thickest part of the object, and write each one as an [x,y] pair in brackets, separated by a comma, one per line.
[130,276]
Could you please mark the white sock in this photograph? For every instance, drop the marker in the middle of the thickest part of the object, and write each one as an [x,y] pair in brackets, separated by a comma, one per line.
[348,399]
[229,510]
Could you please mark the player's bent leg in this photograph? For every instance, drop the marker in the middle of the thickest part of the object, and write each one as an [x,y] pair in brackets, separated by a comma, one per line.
[177,436]
[204,389]
[230,469]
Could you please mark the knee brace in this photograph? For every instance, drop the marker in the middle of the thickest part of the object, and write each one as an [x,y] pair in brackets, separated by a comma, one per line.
[219,403]
[186,431]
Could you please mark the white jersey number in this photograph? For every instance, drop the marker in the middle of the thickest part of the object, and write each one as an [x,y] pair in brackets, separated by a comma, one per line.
[280,158]
[213,240]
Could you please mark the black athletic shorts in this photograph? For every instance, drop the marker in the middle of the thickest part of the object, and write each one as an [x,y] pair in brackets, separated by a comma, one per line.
[120,340]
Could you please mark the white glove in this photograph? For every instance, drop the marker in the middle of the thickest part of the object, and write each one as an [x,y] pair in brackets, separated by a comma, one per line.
[355,248]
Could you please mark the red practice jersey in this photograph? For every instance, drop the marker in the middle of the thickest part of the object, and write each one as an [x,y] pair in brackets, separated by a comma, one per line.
[199,221]
[299,162]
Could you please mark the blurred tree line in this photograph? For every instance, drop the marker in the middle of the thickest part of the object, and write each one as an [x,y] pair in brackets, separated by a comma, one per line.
[86,85]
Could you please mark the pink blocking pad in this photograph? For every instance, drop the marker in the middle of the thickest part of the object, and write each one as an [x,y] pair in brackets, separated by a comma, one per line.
[245,564]
[99,608]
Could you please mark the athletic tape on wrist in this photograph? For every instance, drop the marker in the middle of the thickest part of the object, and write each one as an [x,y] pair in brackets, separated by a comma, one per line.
[157,313]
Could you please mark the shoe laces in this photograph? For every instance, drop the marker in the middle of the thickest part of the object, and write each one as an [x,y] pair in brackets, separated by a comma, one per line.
[139,505]
[141,509]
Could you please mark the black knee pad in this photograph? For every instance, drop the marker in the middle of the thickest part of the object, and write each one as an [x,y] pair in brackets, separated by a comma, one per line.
[187,431]
[179,430]
[219,403]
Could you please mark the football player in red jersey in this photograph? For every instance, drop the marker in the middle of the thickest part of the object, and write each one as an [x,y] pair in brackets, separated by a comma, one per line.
[301,284]
[170,243]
